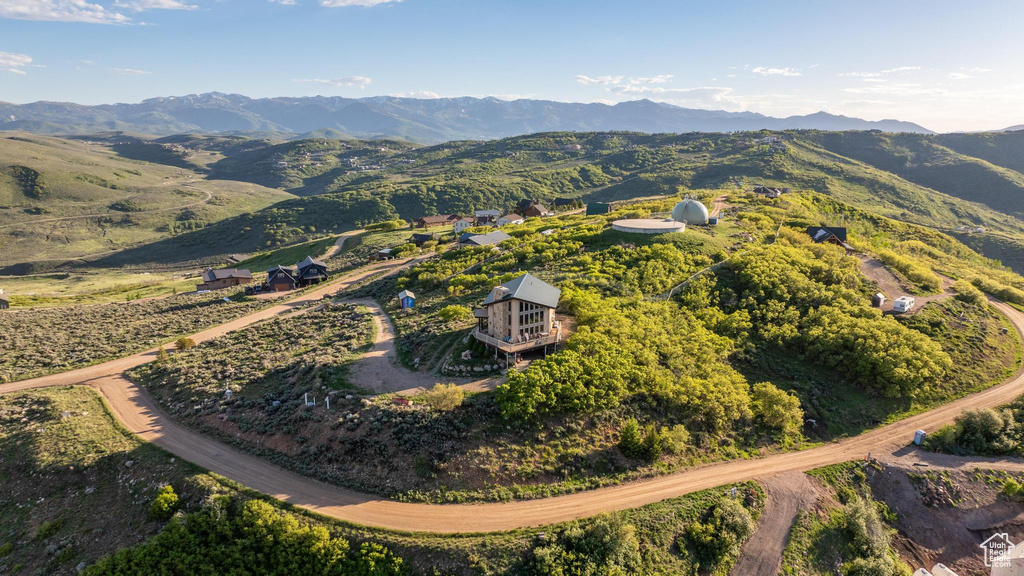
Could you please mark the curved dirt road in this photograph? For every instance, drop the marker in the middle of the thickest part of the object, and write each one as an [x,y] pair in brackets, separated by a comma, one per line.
[140,414]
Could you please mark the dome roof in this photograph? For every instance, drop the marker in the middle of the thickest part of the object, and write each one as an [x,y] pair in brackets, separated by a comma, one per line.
[690,211]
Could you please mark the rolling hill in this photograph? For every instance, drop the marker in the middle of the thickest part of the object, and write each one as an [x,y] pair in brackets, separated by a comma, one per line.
[419,120]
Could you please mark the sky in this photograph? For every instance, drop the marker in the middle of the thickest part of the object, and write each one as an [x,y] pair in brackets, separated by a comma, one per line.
[948,66]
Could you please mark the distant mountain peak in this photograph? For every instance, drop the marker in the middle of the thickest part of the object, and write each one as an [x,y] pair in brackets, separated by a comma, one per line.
[416,119]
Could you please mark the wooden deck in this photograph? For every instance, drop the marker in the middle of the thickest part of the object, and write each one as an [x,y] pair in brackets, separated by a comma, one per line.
[515,347]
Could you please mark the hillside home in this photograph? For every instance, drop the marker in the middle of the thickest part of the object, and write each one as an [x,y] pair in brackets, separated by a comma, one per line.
[829,234]
[519,315]
[485,217]
[5,301]
[488,239]
[523,205]
[420,239]
[567,203]
[461,225]
[281,279]
[439,220]
[903,304]
[406,299]
[769,192]
[510,219]
[227,278]
[536,210]
[310,272]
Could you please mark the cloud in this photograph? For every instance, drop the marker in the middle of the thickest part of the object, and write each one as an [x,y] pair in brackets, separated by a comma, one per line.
[765,71]
[346,81]
[15,63]
[347,3]
[131,71]
[880,73]
[604,80]
[959,76]
[284,2]
[142,5]
[60,11]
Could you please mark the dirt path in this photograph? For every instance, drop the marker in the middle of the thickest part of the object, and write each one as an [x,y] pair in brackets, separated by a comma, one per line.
[787,494]
[140,414]
[378,369]
[340,243]
[890,286]
[719,205]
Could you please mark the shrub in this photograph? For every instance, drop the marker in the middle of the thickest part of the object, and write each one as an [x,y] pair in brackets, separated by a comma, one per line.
[979,430]
[777,409]
[184,343]
[653,442]
[161,355]
[865,528]
[164,505]
[967,292]
[455,313]
[443,397]
[630,440]
[677,438]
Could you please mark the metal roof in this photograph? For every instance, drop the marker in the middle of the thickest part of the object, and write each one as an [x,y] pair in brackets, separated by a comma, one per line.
[528,288]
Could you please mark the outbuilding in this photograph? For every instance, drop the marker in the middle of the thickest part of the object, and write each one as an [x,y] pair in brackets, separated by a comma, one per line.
[878,300]
[406,299]
[597,208]
[227,278]
[5,301]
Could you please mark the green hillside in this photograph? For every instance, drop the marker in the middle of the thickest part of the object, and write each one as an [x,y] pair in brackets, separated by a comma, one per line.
[67,199]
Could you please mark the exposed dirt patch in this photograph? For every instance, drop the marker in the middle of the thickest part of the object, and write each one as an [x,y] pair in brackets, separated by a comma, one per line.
[786,495]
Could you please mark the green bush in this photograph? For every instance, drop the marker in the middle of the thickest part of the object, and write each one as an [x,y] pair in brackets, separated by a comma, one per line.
[164,505]
[443,397]
[455,313]
[677,439]
[630,439]
[967,292]
[777,410]
[184,343]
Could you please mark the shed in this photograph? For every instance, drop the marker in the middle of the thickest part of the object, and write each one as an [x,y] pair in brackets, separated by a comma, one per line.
[712,220]
[420,239]
[5,302]
[878,300]
[596,208]
[407,299]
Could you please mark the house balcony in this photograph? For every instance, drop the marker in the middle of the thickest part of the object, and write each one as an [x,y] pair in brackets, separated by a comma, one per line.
[515,347]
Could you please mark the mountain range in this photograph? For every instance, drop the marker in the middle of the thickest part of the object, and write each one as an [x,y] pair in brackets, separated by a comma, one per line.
[417,120]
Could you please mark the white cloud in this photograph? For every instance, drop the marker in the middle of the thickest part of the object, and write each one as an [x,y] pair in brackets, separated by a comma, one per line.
[15,63]
[131,71]
[604,80]
[659,79]
[765,71]
[880,73]
[959,76]
[142,5]
[347,3]
[284,2]
[346,81]
[60,11]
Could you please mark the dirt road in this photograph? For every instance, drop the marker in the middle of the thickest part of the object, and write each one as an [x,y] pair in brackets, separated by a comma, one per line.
[378,369]
[140,414]
[787,494]
[719,205]
[340,243]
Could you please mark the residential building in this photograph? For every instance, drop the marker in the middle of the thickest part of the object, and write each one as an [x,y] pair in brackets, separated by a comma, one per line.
[226,278]
[597,208]
[488,239]
[5,301]
[829,234]
[439,220]
[281,279]
[536,210]
[461,225]
[310,272]
[421,239]
[485,217]
[519,315]
[508,219]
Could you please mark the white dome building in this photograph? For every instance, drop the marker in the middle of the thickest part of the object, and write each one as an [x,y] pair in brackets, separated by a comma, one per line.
[691,211]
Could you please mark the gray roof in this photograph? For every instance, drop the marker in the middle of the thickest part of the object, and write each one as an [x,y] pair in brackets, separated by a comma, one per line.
[5,297]
[406,294]
[290,271]
[486,239]
[309,261]
[210,274]
[494,213]
[528,288]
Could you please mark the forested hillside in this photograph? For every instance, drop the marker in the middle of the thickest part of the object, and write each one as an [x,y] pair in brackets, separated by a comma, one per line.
[955,183]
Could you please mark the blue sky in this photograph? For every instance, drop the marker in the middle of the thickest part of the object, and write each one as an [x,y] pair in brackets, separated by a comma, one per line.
[945,65]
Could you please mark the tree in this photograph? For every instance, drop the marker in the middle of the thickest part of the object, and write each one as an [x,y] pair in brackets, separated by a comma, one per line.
[184,343]
[777,409]
[630,440]
[979,430]
[455,313]
[653,442]
[161,355]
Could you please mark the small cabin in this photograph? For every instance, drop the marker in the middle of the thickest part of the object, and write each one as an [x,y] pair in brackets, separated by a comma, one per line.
[485,217]
[510,219]
[878,300]
[903,304]
[536,210]
[489,239]
[384,254]
[461,225]
[598,208]
[431,221]
[5,301]
[420,239]
[406,299]
[830,235]
[712,220]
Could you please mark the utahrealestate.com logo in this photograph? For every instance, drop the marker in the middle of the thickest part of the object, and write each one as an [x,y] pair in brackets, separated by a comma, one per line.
[997,550]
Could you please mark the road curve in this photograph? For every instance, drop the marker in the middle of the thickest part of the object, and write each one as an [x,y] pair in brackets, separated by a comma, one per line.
[140,414]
